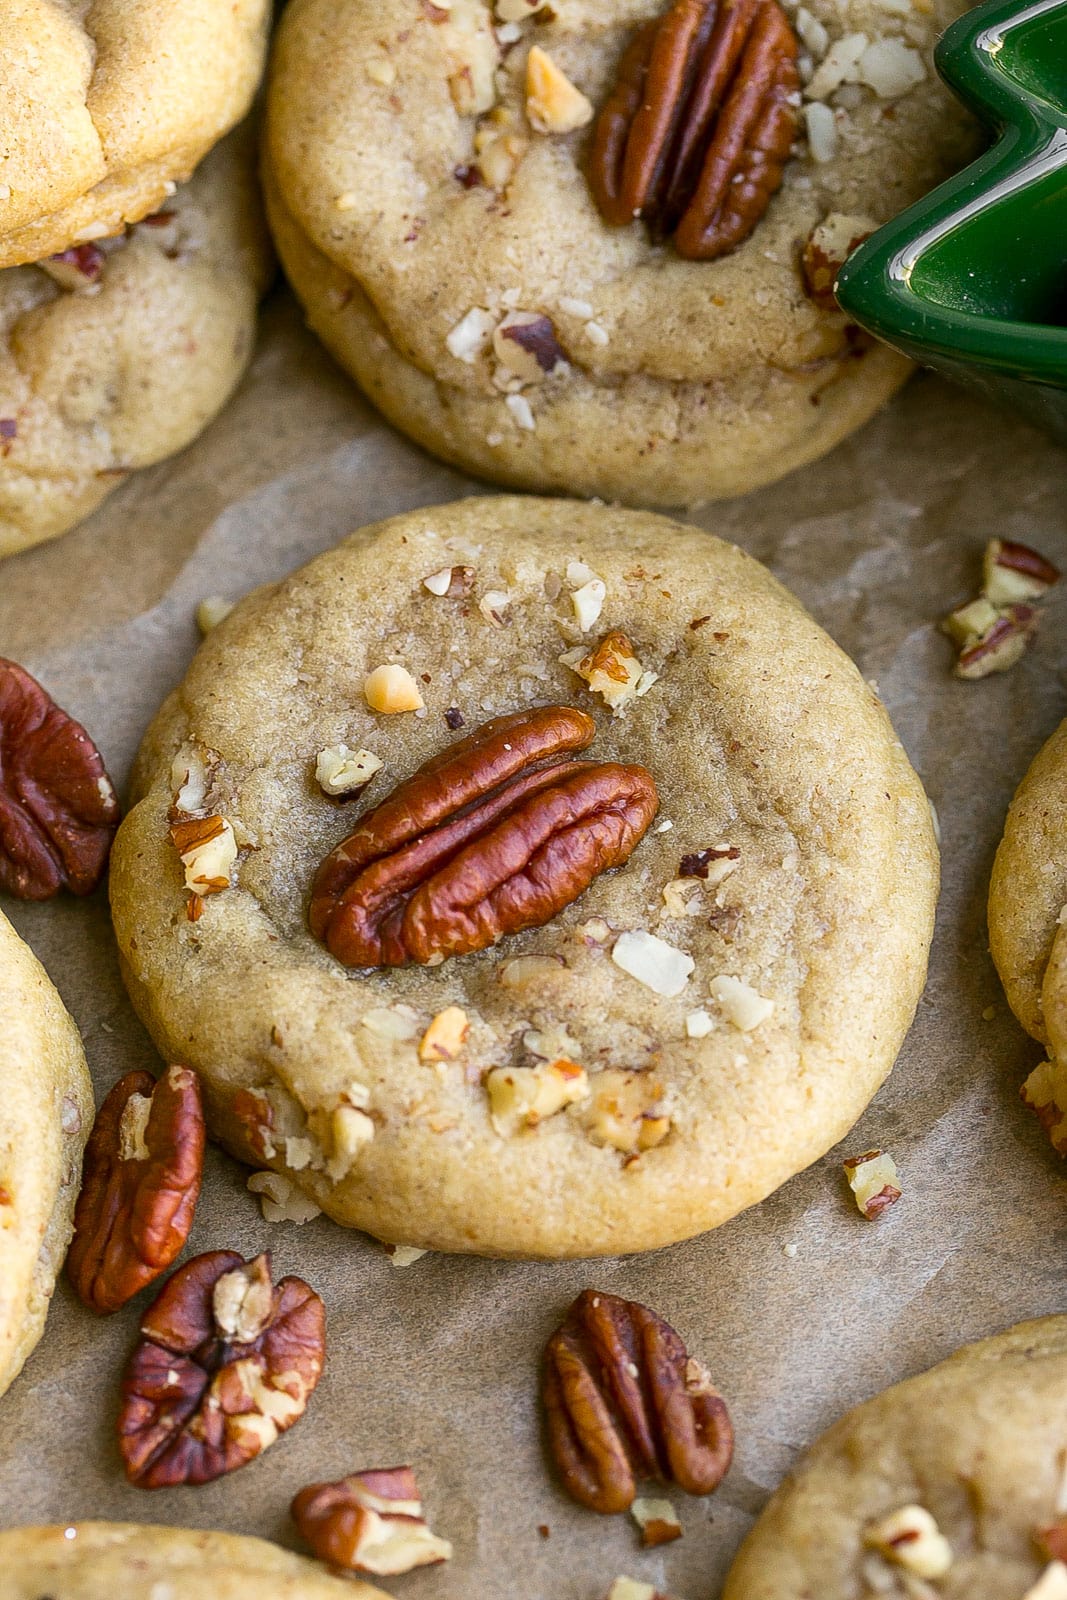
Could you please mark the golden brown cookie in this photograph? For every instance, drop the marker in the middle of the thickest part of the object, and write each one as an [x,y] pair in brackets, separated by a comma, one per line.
[46,1111]
[700,1023]
[442,235]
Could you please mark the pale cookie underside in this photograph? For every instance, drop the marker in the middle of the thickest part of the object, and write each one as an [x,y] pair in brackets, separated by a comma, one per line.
[760,734]
[684,380]
[99,382]
[977,1442]
[106,107]
[46,1111]
[1028,889]
[99,1560]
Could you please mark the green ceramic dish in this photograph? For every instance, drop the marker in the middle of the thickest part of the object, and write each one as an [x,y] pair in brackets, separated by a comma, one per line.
[973,280]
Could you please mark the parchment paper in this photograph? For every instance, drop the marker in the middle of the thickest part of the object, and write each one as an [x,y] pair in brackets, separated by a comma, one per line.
[437,1364]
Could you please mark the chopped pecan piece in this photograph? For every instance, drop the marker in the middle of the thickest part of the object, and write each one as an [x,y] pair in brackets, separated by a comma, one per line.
[370,1522]
[625,1402]
[696,133]
[140,1184]
[58,811]
[226,1363]
[494,835]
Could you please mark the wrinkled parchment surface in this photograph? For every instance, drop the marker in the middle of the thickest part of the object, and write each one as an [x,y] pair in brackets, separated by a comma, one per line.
[437,1363]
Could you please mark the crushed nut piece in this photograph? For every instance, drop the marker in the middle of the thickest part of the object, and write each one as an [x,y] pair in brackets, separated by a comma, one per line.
[340,770]
[828,248]
[391,689]
[634,1589]
[627,1112]
[370,1522]
[208,851]
[698,1024]
[1045,1092]
[740,1003]
[652,961]
[189,779]
[523,970]
[657,1520]
[471,336]
[280,1200]
[553,104]
[588,602]
[212,610]
[612,670]
[713,864]
[445,1037]
[1012,572]
[526,345]
[391,1022]
[404,1255]
[874,1181]
[911,1538]
[525,1096]
[1001,646]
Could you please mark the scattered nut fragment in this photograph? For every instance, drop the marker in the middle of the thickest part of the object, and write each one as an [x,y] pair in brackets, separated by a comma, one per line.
[524,970]
[1052,1584]
[212,610]
[225,1364]
[874,1181]
[280,1200]
[627,1112]
[190,780]
[140,1184]
[445,1037]
[391,689]
[657,1520]
[739,1003]
[682,897]
[1045,1092]
[370,1522]
[1013,572]
[612,670]
[77,270]
[625,1402]
[553,103]
[588,602]
[525,1096]
[698,1024]
[391,1022]
[525,343]
[660,966]
[712,865]
[634,1589]
[471,336]
[1003,643]
[208,849]
[404,1255]
[58,811]
[828,248]
[340,770]
[911,1538]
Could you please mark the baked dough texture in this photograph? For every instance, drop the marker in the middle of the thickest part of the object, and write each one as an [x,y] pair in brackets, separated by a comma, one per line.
[46,1111]
[977,1442]
[107,104]
[684,381]
[101,1560]
[101,380]
[761,735]
[1027,896]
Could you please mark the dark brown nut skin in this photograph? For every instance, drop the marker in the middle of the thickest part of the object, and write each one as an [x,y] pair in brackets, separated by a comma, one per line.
[495,835]
[189,1409]
[135,1210]
[624,1402]
[696,133]
[58,810]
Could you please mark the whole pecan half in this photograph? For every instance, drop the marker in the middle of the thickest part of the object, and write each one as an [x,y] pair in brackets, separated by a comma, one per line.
[695,135]
[140,1184]
[226,1363]
[370,1522]
[494,835]
[624,1402]
[58,811]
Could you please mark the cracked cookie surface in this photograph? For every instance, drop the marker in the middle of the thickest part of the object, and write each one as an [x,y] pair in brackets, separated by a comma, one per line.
[107,104]
[96,1560]
[698,1025]
[418,209]
[119,354]
[46,1111]
[976,1443]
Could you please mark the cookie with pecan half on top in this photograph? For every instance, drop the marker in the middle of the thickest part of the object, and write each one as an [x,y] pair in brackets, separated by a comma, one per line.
[527,878]
[590,246]
[46,1111]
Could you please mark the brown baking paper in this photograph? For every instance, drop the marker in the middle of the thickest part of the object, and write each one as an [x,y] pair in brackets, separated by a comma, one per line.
[800,1307]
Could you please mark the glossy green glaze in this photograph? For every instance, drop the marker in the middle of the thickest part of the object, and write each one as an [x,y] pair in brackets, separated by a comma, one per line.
[973,279]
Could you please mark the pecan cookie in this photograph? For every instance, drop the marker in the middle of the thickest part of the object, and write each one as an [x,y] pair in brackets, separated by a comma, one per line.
[118,353]
[949,1484]
[97,1560]
[46,1111]
[1027,895]
[106,106]
[527,878]
[560,281]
